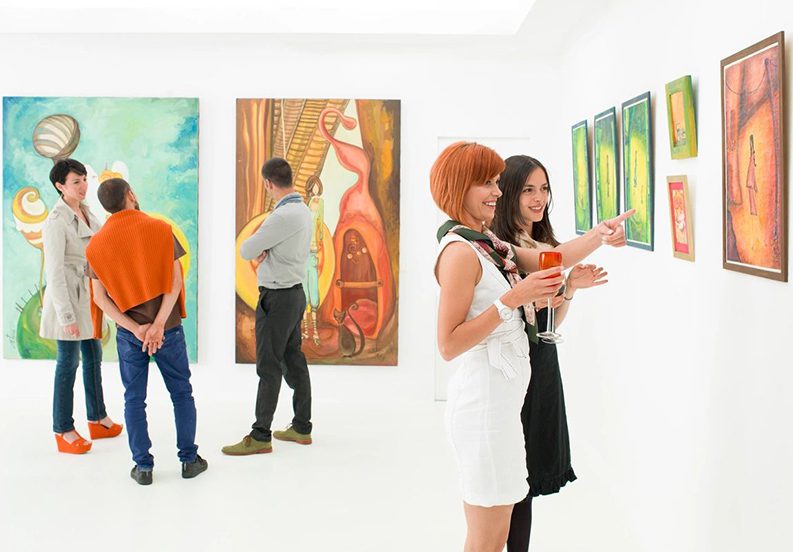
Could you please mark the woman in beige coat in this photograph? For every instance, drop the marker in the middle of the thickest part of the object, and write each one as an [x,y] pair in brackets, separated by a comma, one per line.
[66,313]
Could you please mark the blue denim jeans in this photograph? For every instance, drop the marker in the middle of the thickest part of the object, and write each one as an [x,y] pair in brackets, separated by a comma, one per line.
[66,361]
[172,361]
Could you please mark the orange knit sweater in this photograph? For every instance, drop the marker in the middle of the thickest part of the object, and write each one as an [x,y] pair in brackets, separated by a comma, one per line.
[132,255]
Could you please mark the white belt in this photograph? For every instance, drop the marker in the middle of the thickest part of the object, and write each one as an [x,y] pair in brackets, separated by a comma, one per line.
[517,338]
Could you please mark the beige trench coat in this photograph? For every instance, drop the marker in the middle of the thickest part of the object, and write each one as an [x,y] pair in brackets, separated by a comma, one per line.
[66,295]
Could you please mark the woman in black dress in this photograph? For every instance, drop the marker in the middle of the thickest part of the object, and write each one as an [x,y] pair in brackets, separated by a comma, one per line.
[522,219]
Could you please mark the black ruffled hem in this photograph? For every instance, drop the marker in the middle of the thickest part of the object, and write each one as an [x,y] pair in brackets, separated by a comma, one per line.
[551,485]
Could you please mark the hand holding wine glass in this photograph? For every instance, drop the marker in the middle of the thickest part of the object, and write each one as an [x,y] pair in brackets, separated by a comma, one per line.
[537,286]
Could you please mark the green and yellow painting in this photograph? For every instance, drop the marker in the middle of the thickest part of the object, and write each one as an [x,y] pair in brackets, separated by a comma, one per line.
[681,118]
[582,186]
[151,142]
[637,168]
[606,153]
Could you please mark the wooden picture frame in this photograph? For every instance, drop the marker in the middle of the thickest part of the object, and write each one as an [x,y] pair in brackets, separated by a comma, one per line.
[681,118]
[606,153]
[680,217]
[582,184]
[754,176]
[637,171]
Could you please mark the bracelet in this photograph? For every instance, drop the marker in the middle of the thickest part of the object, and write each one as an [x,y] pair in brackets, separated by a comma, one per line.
[566,298]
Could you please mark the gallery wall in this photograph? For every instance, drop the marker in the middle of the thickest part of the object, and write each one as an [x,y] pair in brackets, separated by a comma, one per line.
[677,374]
[446,86]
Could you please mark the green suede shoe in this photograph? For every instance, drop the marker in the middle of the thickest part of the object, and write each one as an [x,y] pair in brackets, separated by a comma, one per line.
[289,434]
[247,446]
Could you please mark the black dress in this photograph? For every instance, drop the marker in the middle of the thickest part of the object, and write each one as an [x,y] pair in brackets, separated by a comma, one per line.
[545,420]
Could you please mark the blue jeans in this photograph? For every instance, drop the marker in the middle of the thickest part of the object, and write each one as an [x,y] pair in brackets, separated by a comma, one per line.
[67,359]
[172,361]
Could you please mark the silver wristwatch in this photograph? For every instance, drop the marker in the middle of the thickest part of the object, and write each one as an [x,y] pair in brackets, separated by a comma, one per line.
[504,312]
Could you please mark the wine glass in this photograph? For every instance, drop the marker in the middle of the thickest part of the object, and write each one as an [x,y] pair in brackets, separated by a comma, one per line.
[550,259]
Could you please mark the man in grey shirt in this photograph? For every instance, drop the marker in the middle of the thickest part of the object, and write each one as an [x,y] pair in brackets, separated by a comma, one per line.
[281,245]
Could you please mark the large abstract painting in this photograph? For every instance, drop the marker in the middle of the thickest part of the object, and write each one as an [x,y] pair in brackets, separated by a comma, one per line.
[344,155]
[606,153]
[754,193]
[582,185]
[151,142]
[637,170]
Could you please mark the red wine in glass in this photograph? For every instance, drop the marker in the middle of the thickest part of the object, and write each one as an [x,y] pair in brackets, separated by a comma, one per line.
[550,259]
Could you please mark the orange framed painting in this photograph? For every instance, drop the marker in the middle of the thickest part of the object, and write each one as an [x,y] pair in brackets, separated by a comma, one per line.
[754,188]
[345,158]
[680,217]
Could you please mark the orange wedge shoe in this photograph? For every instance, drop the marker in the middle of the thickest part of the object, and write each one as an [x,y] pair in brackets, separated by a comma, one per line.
[80,446]
[98,431]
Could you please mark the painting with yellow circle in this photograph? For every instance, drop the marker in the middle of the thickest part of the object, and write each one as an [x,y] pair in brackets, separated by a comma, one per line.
[344,155]
[150,142]
[637,170]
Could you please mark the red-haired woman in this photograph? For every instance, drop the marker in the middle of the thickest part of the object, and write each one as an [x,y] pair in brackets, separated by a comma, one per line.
[483,302]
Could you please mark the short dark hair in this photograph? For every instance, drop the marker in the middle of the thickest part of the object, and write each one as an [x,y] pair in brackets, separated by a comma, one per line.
[112,194]
[62,169]
[278,171]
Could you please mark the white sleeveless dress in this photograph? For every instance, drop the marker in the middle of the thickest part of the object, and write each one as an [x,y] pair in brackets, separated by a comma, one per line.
[485,397]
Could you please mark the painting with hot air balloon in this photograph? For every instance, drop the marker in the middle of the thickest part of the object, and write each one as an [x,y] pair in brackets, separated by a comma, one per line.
[151,142]
[754,187]
[344,155]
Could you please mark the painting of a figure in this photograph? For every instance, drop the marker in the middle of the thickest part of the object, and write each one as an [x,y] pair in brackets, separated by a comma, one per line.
[680,218]
[606,152]
[754,183]
[345,159]
[637,170]
[150,142]
[582,185]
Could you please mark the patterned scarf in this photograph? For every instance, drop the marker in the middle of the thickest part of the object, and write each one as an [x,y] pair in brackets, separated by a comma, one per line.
[498,252]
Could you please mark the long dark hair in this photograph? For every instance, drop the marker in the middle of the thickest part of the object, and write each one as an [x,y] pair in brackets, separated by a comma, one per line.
[506,224]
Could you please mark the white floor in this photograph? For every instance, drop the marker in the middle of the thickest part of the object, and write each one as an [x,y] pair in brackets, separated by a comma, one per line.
[378,477]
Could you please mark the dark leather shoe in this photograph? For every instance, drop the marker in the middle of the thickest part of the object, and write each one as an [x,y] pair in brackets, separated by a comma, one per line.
[194,468]
[141,477]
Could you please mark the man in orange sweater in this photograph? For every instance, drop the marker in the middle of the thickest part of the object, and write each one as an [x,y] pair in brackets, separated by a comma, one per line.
[137,281]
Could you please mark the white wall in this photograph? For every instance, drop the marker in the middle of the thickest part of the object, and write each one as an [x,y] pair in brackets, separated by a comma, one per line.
[677,404]
[445,86]
[677,374]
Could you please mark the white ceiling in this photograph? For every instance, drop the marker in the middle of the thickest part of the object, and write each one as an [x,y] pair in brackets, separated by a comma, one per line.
[379,17]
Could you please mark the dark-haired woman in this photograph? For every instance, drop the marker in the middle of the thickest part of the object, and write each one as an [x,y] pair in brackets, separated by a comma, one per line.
[522,218]
[66,314]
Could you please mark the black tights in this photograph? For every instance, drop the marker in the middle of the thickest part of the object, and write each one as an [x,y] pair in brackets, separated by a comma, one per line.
[520,527]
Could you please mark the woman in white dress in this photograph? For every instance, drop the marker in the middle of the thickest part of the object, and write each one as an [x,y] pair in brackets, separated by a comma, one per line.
[480,317]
